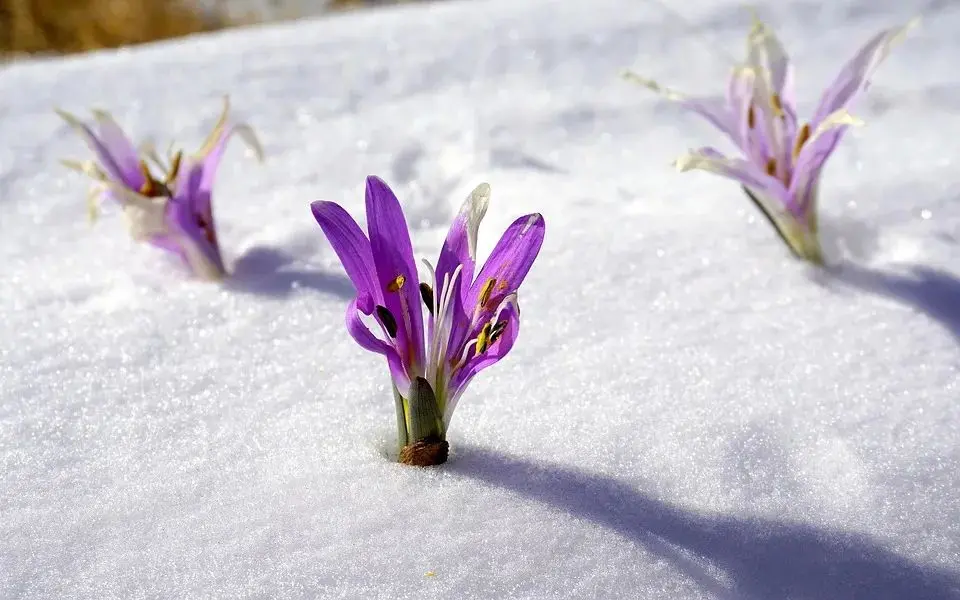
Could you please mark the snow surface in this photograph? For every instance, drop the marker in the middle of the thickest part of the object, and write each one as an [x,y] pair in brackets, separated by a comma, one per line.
[688,412]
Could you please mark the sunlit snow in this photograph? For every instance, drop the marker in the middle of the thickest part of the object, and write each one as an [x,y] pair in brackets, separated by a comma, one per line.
[688,412]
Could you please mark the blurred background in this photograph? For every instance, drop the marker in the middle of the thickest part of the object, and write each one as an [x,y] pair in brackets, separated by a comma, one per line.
[38,27]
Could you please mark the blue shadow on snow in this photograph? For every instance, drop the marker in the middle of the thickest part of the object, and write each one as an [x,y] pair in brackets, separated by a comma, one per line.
[930,291]
[763,559]
[265,271]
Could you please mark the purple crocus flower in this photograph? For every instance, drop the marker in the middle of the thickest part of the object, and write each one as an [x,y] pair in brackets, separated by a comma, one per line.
[782,157]
[472,319]
[173,212]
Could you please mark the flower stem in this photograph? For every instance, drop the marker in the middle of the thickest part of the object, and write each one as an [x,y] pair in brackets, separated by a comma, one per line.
[802,240]
[420,431]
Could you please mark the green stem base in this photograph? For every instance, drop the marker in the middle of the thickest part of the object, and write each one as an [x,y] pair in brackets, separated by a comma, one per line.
[803,242]
[420,431]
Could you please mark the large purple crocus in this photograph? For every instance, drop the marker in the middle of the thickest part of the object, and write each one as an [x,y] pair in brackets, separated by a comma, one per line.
[173,212]
[472,319]
[783,158]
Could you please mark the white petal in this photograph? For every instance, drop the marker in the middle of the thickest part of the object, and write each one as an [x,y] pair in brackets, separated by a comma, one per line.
[650,84]
[838,118]
[732,168]
[476,208]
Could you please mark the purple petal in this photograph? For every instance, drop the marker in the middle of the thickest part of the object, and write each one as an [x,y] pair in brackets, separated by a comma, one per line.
[358,330]
[195,229]
[350,244]
[814,153]
[739,99]
[713,110]
[393,259]
[213,153]
[855,75]
[716,112]
[114,152]
[122,150]
[511,259]
[169,243]
[745,172]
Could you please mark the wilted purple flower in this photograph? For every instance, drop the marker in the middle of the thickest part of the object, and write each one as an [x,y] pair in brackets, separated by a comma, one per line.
[472,322]
[173,212]
[783,158]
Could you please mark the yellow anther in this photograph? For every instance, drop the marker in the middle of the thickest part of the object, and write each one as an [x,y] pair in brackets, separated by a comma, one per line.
[486,291]
[771,167]
[483,339]
[802,136]
[777,105]
[148,188]
[397,284]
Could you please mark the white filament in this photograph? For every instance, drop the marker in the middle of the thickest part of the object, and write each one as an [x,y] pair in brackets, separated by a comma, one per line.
[443,322]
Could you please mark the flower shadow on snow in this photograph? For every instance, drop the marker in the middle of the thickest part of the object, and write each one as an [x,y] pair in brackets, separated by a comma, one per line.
[761,558]
[267,271]
[935,293]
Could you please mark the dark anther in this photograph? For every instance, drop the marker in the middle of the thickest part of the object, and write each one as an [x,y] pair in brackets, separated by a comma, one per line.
[426,294]
[497,331]
[389,323]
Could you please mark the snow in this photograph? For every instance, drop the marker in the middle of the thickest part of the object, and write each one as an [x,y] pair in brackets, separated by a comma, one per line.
[688,412]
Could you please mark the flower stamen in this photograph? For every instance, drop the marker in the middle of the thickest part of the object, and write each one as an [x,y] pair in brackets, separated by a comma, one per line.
[426,294]
[397,284]
[802,137]
[387,320]
[174,167]
[483,338]
[486,291]
[497,330]
[777,105]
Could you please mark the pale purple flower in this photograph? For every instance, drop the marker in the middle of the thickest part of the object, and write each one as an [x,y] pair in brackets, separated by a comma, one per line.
[782,157]
[472,319]
[172,211]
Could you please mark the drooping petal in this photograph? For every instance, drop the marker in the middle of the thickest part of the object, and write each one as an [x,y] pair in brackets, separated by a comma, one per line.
[712,161]
[712,109]
[350,244]
[855,75]
[460,245]
[359,331]
[499,349]
[395,267]
[509,262]
[115,154]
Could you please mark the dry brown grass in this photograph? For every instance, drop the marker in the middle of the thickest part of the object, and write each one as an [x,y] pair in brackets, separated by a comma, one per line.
[64,26]
[68,26]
